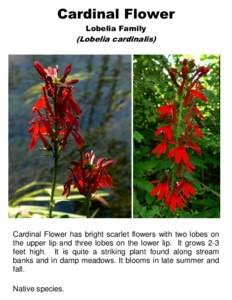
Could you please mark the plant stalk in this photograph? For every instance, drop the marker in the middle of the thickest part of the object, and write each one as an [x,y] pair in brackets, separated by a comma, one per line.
[88,204]
[56,157]
[179,120]
[52,202]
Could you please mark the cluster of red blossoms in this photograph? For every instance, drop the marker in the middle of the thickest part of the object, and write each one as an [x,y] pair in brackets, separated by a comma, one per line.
[56,112]
[55,118]
[179,134]
[88,175]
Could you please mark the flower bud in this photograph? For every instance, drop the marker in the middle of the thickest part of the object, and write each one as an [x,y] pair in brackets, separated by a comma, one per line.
[67,70]
[72,81]
[40,69]
[185,62]
[173,73]
[184,71]
[203,70]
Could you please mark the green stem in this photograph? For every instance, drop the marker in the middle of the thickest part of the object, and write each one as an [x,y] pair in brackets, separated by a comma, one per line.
[52,202]
[88,204]
[95,213]
[56,158]
[180,118]
[173,174]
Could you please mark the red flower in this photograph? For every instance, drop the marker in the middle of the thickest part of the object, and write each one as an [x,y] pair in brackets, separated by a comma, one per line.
[188,189]
[196,148]
[181,156]
[166,131]
[161,190]
[40,104]
[173,200]
[199,95]
[175,197]
[56,113]
[35,134]
[182,132]
[52,72]
[197,131]
[168,111]
[160,149]
[88,176]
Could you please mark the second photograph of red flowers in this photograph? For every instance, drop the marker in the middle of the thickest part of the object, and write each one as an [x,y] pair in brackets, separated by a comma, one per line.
[176,136]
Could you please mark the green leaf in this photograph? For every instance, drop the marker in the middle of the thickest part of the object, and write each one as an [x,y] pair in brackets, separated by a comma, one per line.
[31,184]
[136,206]
[30,210]
[149,199]
[205,202]
[145,166]
[143,184]
[138,136]
[43,195]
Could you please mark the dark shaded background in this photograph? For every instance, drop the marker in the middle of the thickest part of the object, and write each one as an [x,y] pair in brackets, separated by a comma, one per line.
[103,94]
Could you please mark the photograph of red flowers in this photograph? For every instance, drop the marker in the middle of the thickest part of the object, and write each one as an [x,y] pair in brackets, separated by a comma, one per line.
[176,136]
[69,136]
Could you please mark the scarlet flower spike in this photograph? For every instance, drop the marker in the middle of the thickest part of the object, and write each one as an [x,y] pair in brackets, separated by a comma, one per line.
[56,118]
[56,112]
[177,136]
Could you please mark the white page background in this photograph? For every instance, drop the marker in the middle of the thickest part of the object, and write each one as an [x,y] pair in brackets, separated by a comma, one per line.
[32,27]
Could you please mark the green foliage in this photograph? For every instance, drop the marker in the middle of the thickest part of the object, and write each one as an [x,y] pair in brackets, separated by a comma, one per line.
[32,200]
[152,86]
